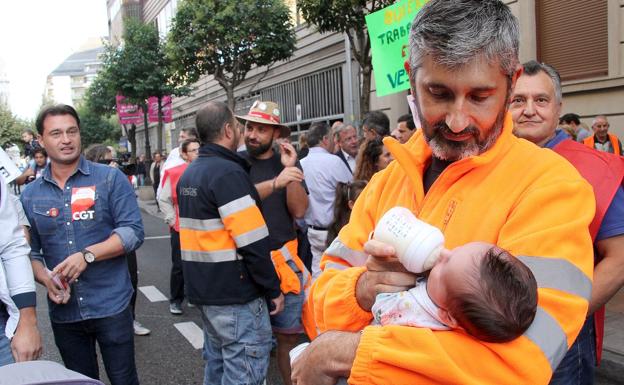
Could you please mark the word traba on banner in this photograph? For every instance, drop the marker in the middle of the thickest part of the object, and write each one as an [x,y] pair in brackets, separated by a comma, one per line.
[389,30]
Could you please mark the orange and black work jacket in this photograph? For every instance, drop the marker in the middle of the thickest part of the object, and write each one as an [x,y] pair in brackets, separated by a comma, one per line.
[523,198]
[223,238]
[590,141]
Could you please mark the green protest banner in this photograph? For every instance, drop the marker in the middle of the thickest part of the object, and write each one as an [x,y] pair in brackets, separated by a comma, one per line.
[388,30]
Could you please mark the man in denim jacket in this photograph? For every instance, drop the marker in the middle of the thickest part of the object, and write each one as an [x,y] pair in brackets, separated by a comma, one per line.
[84,219]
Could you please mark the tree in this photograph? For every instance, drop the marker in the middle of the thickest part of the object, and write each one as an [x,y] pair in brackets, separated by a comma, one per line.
[11,127]
[226,38]
[100,102]
[101,94]
[347,16]
[95,128]
[139,69]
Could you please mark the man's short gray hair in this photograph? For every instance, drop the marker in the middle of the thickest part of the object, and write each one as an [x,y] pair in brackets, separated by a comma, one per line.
[603,117]
[533,67]
[341,128]
[455,32]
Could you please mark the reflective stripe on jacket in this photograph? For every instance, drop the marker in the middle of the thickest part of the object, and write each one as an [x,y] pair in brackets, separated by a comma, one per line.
[590,141]
[289,282]
[223,236]
[526,200]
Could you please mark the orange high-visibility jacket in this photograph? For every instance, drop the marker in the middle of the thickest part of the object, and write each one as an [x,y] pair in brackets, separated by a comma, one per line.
[590,141]
[526,200]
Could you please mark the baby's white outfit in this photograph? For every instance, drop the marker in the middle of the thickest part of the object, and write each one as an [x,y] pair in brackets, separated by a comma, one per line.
[408,308]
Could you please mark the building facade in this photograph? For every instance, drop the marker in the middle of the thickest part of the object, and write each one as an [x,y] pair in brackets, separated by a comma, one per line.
[584,40]
[118,10]
[68,83]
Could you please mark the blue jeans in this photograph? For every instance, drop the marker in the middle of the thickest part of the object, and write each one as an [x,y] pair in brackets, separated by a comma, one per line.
[114,335]
[237,343]
[289,321]
[578,365]
[6,356]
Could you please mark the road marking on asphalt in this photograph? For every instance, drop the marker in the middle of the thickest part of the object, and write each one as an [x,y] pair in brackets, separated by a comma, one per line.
[193,333]
[157,237]
[152,293]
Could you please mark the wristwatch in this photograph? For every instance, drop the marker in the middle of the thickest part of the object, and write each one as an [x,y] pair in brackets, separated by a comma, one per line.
[89,257]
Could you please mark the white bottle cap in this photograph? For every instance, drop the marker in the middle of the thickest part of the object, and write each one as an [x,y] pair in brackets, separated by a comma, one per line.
[417,243]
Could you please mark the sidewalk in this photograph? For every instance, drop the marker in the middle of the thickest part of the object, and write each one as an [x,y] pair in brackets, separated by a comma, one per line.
[612,365]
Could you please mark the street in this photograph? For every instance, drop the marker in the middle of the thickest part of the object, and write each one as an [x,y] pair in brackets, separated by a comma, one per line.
[172,353]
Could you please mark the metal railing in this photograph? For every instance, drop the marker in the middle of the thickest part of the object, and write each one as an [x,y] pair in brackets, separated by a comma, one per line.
[320,95]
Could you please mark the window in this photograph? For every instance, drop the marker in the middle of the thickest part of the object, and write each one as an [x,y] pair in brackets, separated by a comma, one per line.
[572,36]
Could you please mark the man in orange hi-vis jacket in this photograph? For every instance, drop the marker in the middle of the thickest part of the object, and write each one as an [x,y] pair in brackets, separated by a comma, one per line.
[465,173]
[602,140]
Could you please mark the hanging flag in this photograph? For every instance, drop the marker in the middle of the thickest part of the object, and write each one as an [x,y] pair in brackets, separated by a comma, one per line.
[128,113]
[152,110]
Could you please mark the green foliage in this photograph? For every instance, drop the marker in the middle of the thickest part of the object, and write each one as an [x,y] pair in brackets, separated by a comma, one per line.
[11,127]
[95,128]
[339,15]
[226,38]
[139,68]
[100,96]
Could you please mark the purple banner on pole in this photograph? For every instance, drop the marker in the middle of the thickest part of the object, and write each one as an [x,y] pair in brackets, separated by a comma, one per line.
[128,113]
[152,110]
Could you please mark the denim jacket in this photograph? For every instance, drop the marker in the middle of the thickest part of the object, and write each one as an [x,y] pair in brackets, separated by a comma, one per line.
[103,203]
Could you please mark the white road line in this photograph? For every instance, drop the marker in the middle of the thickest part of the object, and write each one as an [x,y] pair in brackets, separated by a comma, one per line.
[193,333]
[157,237]
[152,293]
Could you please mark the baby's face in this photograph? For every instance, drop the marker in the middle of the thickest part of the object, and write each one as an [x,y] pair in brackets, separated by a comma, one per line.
[451,268]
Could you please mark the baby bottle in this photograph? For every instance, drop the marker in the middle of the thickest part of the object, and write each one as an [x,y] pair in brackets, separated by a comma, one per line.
[417,244]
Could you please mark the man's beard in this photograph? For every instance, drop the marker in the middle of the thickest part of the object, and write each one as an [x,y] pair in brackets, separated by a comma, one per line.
[259,149]
[450,150]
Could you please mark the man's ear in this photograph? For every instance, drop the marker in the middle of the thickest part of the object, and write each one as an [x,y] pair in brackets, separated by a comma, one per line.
[40,140]
[228,130]
[447,318]
[517,73]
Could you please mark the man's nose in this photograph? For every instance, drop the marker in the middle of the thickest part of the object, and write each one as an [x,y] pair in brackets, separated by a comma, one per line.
[457,120]
[65,137]
[529,108]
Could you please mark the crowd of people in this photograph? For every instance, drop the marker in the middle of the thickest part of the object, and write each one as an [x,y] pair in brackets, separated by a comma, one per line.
[282,242]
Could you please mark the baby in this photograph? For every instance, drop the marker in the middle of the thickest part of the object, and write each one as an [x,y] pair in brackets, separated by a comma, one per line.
[477,287]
